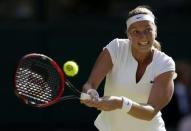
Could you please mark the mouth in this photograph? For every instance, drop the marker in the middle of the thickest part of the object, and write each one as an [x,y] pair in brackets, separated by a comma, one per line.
[144,44]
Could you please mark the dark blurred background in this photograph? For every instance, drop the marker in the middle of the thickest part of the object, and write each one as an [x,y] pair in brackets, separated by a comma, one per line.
[76,30]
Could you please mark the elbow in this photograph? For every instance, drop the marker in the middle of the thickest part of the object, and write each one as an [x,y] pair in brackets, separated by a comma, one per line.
[146,117]
[151,114]
[144,112]
[149,118]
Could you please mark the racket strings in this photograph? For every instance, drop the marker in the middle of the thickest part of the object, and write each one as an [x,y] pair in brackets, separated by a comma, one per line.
[30,86]
[34,82]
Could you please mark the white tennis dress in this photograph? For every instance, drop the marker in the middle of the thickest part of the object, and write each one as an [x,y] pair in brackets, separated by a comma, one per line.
[121,81]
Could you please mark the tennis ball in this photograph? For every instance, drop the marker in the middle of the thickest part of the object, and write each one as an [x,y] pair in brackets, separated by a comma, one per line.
[70,68]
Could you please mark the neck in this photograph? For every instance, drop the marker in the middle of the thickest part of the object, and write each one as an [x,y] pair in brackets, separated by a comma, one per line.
[143,57]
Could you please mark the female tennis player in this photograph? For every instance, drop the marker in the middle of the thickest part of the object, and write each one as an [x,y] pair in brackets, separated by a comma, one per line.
[139,78]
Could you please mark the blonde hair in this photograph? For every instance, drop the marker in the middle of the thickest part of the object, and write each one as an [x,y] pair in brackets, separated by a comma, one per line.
[145,10]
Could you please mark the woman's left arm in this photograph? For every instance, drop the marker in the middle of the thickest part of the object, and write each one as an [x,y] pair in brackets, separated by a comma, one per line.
[160,96]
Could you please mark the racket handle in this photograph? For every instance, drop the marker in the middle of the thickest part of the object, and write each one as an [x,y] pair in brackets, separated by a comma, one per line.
[85,96]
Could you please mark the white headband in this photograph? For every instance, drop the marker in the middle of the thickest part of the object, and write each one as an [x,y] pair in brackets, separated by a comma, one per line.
[139,17]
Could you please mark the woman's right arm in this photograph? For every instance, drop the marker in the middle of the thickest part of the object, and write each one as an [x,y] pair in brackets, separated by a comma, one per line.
[102,66]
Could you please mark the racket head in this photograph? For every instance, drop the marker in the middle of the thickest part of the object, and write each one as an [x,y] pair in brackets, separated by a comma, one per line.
[38,80]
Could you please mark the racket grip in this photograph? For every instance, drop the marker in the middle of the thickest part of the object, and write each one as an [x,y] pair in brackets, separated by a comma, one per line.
[84,96]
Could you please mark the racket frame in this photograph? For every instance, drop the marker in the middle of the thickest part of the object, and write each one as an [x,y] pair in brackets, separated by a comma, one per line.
[59,71]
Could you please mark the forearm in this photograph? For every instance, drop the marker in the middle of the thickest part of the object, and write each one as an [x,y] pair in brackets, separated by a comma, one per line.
[141,111]
[87,86]
[109,103]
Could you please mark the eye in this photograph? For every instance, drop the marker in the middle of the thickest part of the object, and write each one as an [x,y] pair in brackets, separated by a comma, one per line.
[148,30]
[135,32]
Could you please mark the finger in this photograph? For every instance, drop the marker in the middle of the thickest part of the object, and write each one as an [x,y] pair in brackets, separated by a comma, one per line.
[89,103]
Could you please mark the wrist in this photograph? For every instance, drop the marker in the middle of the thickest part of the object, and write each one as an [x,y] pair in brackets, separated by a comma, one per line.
[126,104]
[86,87]
[118,101]
[93,94]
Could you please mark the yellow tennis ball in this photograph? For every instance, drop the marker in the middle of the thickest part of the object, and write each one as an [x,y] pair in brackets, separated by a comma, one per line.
[70,68]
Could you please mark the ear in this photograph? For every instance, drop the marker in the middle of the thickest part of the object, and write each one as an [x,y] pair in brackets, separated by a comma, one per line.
[155,34]
[129,36]
[155,31]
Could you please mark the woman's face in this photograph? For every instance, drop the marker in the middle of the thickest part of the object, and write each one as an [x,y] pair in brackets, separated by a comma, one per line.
[142,35]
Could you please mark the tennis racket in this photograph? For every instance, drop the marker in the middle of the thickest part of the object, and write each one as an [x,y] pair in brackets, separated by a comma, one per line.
[40,82]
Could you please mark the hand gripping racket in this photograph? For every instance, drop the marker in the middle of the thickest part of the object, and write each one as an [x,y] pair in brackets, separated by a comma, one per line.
[40,82]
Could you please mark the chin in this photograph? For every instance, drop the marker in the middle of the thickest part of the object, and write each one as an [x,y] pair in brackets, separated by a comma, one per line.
[145,50]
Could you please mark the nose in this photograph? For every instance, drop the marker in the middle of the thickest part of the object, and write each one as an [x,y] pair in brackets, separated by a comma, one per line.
[143,35]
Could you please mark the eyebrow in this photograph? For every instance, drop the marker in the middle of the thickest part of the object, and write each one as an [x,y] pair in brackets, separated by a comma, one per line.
[136,28]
